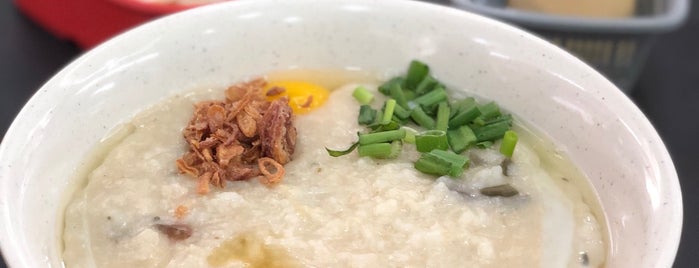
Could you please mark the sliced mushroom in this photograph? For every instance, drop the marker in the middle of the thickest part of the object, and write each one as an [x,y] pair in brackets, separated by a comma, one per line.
[175,232]
[504,190]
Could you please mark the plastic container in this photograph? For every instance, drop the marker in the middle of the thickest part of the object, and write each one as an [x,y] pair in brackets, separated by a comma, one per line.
[617,47]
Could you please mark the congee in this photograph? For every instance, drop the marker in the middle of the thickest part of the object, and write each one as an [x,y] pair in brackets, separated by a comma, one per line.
[286,173]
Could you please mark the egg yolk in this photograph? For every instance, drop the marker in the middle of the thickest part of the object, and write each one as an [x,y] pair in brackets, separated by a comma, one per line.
[303,96]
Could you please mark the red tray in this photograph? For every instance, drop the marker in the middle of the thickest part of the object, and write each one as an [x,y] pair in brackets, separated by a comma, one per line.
[89,22]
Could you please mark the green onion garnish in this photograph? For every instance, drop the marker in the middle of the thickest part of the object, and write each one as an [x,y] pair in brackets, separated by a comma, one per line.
[396,92]
[465,116]
[421,118]
[386,87]
[458,162]
[396,148]
[388,109]
[442,116]
[392,125]
[383,150]
[491,132]
[396,119]
[336,153]
[441,162]
[490,110]
[409,135]
[366,115]
[451,127]
[432,98]
[416,73]
[409,95]
[384,136]
[430,140]
[461,138]
[378,116]
[427,84]
[376,150]
[509,141]
[484,144]
[362,95]
[401,112]
[502,118]
[460,105]
[431,164]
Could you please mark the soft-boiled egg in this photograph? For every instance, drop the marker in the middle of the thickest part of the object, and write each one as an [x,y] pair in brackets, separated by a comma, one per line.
[303,96]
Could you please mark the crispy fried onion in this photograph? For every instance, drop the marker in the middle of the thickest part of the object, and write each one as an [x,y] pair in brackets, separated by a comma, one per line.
[272,171]
[240,138]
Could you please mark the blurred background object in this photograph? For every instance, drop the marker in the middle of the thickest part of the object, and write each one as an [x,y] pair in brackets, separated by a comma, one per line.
[89,22]
[34,47]
[614,36]
[586,8]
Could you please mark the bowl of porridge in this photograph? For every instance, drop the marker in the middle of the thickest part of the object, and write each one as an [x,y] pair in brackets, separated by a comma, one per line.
[343,134]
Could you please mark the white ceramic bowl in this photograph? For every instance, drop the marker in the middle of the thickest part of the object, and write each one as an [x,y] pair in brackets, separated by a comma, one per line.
[592,121]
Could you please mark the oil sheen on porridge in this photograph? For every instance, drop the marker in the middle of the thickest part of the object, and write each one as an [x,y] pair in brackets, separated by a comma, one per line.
[327,212]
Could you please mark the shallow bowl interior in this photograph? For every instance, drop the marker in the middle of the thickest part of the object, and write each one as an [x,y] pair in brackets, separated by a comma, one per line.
[591,121]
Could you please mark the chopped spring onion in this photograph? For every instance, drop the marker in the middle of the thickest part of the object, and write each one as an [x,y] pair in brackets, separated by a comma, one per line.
[430,140]
[460,105]
[491,132]
[375,150]
[388,109]
[441,162]
[484,144]
[336,153]
[384,136]
[386,87]
[396,92]
[401,112]
[452,127]
[362,95]
[366,115]
[427,84]
[409,135]
[465,116]
[396,148]
[480,122]
[458,162]
[509,141]
[392,125]
[431,164]
[416,73]
[442,116]
[461,138]
[490,110]
[409,95]
[421,118]
[398,120]
[378,117]
[432,98]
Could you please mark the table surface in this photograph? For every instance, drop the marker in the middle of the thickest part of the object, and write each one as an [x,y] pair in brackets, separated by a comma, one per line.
[667,92]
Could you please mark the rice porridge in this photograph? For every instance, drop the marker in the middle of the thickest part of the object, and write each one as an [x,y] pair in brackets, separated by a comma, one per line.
[348,211]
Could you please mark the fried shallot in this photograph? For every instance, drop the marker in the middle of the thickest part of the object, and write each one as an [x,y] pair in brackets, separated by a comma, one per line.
[240,138]
[271,176]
